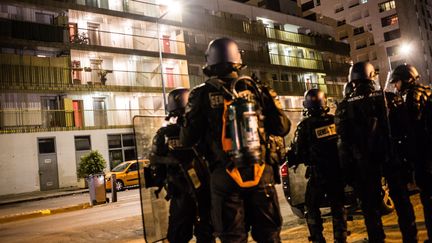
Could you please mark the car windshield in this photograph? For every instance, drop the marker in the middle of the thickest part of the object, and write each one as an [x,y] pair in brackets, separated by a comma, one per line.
[120,167]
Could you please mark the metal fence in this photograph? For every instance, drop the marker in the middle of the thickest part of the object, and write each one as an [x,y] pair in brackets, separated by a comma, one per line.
[24,76]
[24,120]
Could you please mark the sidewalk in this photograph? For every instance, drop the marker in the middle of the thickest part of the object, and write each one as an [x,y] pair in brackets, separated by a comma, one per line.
[39,195]
[40,203]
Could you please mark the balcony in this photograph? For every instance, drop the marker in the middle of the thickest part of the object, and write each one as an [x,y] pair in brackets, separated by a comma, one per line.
[299,88]
[37,120]
[340,48]
[335,68]
[127,41]
[291,61]
[289,36]
[139,7]
[23,77]
[31,31]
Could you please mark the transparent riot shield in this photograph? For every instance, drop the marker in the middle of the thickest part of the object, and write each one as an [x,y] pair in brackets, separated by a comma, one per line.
[154,207]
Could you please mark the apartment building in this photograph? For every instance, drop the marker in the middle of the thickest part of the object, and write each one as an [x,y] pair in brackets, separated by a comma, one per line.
[401,30]
[74,73]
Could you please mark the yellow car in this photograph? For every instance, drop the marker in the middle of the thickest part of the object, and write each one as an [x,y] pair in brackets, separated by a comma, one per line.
[126,174]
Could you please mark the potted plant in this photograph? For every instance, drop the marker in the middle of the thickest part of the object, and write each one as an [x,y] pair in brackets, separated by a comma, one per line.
[102,75]
[91,167]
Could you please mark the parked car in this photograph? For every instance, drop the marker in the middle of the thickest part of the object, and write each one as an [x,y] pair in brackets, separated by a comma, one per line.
[126,174]
[294,187]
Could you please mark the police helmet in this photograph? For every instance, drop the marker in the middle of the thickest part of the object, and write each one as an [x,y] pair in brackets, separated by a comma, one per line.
[361,72]
[348,89]
[222,57]
[177,100]
[315,100]
[406,73]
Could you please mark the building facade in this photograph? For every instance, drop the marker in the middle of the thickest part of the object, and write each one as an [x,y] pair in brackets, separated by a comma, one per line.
[401,30]
[73,74]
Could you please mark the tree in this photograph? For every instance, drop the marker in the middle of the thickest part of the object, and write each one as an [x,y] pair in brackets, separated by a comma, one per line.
[92,163]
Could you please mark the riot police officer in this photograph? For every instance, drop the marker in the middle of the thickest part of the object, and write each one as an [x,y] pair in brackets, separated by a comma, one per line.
[398,169]
[242,182]
[362,128]
[189,207]
[315,144]
[417,104]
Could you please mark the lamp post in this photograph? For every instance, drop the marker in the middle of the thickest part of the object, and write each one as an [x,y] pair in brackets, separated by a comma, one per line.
[161,62]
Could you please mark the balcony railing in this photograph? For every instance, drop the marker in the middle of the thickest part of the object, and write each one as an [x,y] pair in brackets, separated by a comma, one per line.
[291,61]
[128,41]
[31,31]
[298,88]
[289,36]
[22,76]
[335,68]
[36,120]
[140,7]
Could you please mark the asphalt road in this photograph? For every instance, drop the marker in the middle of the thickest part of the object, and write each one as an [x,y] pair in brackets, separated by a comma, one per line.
[121,222]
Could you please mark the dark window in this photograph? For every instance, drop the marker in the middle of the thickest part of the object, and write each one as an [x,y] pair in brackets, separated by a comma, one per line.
[274,76]
[389,20]
[46,146]
[44,18]
[284,77]
[114,141]
[341,22]
[128,140]
[358,30]
[340,9]
[121,148]
[312,17]
[392,50]
[129,154]
[82,143]
[391,35]
[307,6]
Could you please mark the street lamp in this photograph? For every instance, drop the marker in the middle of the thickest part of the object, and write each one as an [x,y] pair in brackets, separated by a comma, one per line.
[404,50]
[171,6]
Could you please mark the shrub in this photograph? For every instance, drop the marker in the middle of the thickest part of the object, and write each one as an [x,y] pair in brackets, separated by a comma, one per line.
[92,163]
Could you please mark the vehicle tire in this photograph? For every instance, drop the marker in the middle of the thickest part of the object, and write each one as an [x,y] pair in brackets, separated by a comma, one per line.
[387,205]
[298,211]
[119,185]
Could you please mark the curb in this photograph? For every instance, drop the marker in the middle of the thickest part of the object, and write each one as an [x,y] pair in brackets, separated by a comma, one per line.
[43,212]
[42,197]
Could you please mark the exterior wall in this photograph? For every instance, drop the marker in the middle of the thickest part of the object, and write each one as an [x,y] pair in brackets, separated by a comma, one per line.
[253,12]
[19,158]
[416,28]
[414,22]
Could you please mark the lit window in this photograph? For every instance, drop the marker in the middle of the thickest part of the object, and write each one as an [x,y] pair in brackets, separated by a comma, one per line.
[386,6]
[363,1]
[389,20]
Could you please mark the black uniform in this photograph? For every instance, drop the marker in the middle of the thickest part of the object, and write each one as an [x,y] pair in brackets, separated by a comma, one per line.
[234,209]
[184,214]
[315,144]
[418,106]
[362,127]
[398,169]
